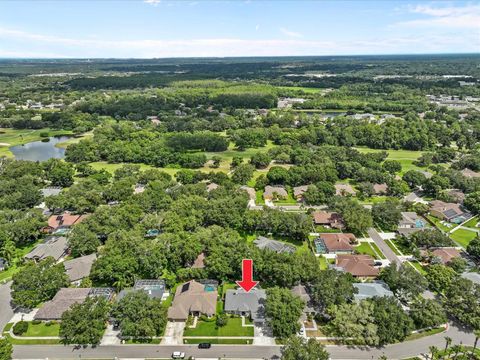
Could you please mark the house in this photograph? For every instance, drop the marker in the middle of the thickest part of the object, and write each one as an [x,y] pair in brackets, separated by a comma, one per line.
[274,192]
[193,298]
[252,195]
[301,291]
[410,222]
[472,276]
[298,192]
[212,186]
[328,219]
[380,189]
[79,268]
[344,189]
[55,246]
[264,243]
[64,220]
[199,262]
[415,198]
[470,173]
[3,264]
[425,173]
[154,288]
[370,290]
[458,196]
[360,266]
[61,302]
[444,254]
[251,304]
[331,243]
[448,211]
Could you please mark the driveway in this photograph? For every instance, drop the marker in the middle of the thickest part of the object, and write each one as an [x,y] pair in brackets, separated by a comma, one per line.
[262,335]
[173,333]
[377,239]
[6,310]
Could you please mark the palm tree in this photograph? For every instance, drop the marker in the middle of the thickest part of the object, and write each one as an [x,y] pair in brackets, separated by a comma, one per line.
[477,336]
[456,349]
[448,341]
[433,352]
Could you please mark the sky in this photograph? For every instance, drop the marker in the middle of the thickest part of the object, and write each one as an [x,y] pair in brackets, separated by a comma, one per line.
[201,28]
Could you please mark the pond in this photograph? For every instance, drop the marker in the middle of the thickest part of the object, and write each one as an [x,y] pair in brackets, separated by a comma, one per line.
[40,150]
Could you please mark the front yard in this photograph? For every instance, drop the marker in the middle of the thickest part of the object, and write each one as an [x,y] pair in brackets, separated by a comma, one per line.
[42,329]
[209,328]
[368,248]
[442,225]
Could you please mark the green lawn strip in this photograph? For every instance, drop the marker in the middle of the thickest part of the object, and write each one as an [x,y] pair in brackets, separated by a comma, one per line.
[15,341]
[219,341]
[322,229]
[209,328]
[366,248]
[323,263]
[422,334]
[143,341]
[42,330]
[377,249]
[392,246]
[418,266]
[259,197]
[472,223]
[463,236]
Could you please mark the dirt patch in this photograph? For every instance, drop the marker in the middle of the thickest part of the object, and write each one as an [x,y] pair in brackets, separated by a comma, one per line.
[4,144]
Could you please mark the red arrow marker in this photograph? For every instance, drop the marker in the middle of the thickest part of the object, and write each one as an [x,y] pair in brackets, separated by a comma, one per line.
[247,282]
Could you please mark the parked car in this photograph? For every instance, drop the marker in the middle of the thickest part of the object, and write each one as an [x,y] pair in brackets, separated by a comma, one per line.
[178,355]
[204,345]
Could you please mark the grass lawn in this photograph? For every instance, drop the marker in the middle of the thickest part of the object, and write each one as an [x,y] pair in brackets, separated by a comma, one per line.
[463,237]
[418,266]
[439,225]
[42,329]
[374,200]
[367,249]
[74,140]
[405,157]
[323,229]
[472,223]
[11,137]
[392,246]
[218,341]
[15,267]
[323,263]
[425,333]
[143,341]
[209,328]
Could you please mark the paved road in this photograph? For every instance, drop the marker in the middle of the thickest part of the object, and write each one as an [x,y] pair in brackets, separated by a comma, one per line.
[395,351]
[6,311]
[383,246]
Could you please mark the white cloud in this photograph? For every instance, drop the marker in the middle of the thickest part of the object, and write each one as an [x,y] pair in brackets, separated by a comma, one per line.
[24,44]
[290,33]
[152,2]
[467,16]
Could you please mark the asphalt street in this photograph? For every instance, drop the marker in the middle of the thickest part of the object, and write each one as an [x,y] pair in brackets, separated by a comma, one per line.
[6,311]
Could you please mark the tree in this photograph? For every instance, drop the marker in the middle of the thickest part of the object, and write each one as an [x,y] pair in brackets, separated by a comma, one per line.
[472,202]
[473,248]
[243,173]
[427,313]
[404,281]
[38,282]
[60,173]
[461,301]
[458,264]
[440,277]
[297,348]
[355,322]
[139,316]
[283,310]
[414,178]
[332,287]
[429,238]
[392,166]
[386,215]
[260,160]
[85,323]
[6,349]
[393,324]
[83,241]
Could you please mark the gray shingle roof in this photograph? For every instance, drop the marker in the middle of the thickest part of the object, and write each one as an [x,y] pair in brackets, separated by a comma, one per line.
[369,290]
[79,268]
[62,301]
[55,247]
[241,301]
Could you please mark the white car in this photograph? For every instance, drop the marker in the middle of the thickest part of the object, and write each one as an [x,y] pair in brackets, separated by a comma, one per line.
[178,355]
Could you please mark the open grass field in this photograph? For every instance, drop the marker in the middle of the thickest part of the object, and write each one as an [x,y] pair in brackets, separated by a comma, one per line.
[209,328]
[366,248]
[463,236]
[74,140]
[405,157]
[473,223]
[11,137]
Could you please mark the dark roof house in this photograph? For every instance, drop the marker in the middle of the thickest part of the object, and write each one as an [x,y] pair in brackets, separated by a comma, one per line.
[331,219]
[245,303]
[79,268]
